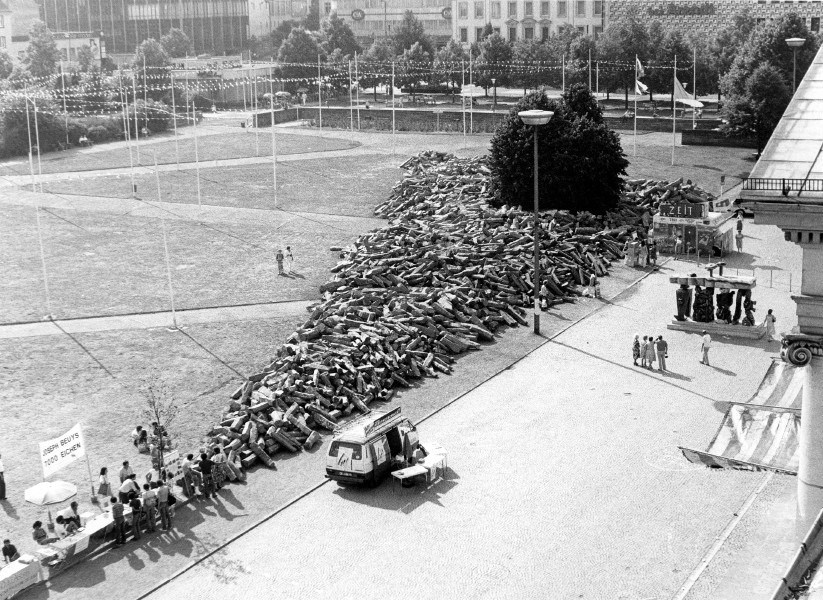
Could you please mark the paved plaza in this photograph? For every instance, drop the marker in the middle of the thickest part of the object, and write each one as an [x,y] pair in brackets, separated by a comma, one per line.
[564,479]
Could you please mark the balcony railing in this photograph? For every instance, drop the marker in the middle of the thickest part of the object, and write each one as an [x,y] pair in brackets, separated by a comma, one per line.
[785,186]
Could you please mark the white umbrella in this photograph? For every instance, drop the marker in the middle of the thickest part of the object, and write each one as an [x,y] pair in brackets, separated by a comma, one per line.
[50,492]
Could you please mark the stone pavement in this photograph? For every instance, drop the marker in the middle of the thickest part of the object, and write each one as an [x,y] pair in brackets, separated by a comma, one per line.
[565,481]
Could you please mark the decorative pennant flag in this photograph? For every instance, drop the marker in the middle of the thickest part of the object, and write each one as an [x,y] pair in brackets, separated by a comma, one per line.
[640,88]
[680,92]
[639,68]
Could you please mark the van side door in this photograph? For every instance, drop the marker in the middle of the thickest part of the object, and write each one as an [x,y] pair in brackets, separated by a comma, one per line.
[381,457]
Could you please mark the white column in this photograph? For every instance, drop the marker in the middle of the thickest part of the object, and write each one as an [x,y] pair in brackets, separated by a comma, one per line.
[810,472]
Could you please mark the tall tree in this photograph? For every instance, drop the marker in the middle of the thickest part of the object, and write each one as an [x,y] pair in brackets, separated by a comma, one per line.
[494,62]
[661,76]
[451,60]
[311,22]
[151,67]
[581,48]
[621,43]
[531,58]
[582,163]
[299,52]
[338,35]
[85,58]
[6,65]
[727,43]
[42,55]
[375,69]
[411,32]
[176,43]
[756,110]
[414,65]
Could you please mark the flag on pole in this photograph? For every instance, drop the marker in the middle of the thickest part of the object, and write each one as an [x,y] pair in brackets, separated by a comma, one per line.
[640,88]
[639,68]
[680,92]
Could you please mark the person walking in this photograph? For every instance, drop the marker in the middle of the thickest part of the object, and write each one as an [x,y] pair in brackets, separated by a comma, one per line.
[163,505]
[644,348]
[704,346]
[289,260]
[636,348]
[650,352]
[117,509]
[2,479]
[769,322]
[279,258]
[662,348]
[653,252]
[738,239]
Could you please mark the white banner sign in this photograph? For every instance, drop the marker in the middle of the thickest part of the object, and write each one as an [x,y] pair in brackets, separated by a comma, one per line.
[62,451]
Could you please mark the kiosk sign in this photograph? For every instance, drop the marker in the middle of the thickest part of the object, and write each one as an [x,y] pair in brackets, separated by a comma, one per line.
[686,210]
[64,450]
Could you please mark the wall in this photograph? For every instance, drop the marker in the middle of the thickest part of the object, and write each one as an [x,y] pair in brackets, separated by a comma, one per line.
[715,138]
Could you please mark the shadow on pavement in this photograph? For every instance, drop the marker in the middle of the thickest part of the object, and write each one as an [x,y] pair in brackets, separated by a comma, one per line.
[392,496]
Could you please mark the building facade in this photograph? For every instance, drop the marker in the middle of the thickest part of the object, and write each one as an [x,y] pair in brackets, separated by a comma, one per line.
[266,15]
[525,19]
[214,26]
[372,19]
[707,17]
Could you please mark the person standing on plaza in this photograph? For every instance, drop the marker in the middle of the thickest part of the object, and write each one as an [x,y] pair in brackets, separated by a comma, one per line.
[644,348]
[644,254]
[2,479]
[662,348]
[191,478]
[279,258]
[650,352]
[162,492]
[150,506]
[136,509]
[739,224]
[117,509]
[704,346]
[207,471]
[126,472]
[103,485]
[636,348]
[768,323]
[218,473]
[738,239]
[678,245]
[289,260]
[653,252]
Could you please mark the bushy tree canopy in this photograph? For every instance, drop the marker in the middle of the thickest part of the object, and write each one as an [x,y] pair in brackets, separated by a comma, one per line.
[450,61]
[150,66]
[176,43]
[581,162]
[338,35]
[85,58]
[493,62]
[411,32]
[42,55]
[374,69]
[301,48]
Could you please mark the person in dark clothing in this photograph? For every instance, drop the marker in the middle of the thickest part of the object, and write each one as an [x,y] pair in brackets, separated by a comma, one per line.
[207,469]
[136,508]
[10,553]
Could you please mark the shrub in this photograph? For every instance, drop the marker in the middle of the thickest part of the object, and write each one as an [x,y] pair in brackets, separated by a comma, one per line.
[99,134]
[76,131]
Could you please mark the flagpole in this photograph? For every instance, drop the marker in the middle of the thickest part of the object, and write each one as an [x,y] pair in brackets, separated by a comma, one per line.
[597,79]
[471,98]
[125,107]
[674,109]
[563,67]
[462,96]
[357,90]
[351,100]
[273,141]
[94,499]
[196,153]
[136,122]
[635,105]
[37,139]
[590,69]
[694,88]
[393,102]
[31,152]
[319,96]
[174,116]
[65,112]
[165,245]
[254,105]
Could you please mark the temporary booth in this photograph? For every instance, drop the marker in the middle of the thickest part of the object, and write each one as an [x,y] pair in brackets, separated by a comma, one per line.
[711,232]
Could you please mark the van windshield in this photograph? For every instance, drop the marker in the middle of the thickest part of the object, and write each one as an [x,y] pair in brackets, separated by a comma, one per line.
[356,449]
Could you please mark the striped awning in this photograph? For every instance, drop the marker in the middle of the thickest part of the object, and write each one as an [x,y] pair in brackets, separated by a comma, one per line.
[761,434]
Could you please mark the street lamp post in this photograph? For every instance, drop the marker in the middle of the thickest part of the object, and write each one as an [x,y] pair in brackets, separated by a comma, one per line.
[494,84]
[794,44]
[536,118]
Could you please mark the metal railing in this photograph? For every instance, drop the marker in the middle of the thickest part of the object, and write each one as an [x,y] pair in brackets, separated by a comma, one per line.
[785,186]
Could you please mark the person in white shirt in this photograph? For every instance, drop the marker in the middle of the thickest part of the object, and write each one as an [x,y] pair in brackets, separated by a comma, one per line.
[707,343]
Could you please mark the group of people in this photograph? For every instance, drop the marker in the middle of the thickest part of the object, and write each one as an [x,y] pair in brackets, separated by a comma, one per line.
[641,252]
[650,349]
[154,499]
[210,472]
[285,261]
[151,443]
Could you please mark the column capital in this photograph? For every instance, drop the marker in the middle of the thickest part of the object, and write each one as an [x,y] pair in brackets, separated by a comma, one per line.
[799,348]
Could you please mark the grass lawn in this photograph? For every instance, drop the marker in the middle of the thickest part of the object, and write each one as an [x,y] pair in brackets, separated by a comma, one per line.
[340,186]
[229,144]
[51,383]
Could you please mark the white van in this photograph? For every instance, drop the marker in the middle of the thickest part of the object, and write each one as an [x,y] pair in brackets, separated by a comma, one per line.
[362,449]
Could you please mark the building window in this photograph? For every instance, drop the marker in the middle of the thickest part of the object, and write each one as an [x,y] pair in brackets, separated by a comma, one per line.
[529,12]
[464,35]
[513,9]
[64,53]
[544,9]
[544,32]
[478,33]
[815,24]
[462,10]
[580,10]
[598,8]
[495,10]
[2,20]
[598,31]
[561,9]
[478,10]
[528,33]
[512,34]
[496,30]
[581,29]
[327,7]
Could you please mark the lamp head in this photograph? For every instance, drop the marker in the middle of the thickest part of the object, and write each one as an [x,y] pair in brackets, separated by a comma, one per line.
[535,117]
[795,42]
